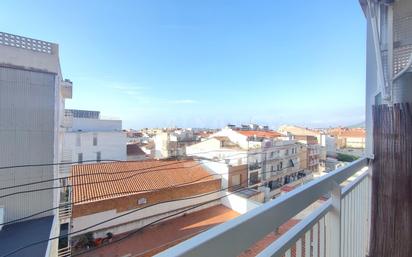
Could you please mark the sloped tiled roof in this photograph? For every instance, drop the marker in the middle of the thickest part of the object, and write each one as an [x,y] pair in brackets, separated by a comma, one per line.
[129,177]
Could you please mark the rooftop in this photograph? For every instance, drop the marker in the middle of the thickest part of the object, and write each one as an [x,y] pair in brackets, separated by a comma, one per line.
[348,132]
[125,178]
[23,233]
[259,133]
[166,234]
[134,149]
[29,54]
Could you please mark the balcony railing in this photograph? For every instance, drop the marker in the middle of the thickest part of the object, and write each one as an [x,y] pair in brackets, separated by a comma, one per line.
[64,252]
[338,228]
[254,166]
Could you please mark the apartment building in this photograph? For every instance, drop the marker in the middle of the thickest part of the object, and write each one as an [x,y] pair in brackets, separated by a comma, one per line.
[313,151]
[272,159]
[223,157]
[32,99]
[87,137]
[327,142]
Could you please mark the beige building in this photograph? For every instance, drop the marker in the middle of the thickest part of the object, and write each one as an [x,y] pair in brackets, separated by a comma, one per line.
[349,137]
[313,151]
[303,160]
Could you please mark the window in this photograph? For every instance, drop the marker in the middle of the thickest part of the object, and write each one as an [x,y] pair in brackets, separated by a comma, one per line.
[236,180]
[80,157]
[95,139]
[254,178]
[78,140]
[272,154]
[280,166]
[98,156]
[287,152]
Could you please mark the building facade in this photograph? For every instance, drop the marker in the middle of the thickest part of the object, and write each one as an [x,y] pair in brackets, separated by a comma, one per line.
[272,159]
[89,138]
[32,98]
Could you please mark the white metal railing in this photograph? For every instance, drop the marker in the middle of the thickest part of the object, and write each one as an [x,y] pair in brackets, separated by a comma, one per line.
[338,228]
[65,211]
[64,252]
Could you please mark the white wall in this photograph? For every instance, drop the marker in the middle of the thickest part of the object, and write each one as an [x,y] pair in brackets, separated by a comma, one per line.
[218,168]
[330,146]
[136,219]
[28,135]
[239,204]
[112,145]
[235,137]
[84,124]
[208,145]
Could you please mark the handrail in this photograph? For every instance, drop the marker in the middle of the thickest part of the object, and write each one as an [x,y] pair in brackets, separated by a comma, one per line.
[230,239]
[287,240]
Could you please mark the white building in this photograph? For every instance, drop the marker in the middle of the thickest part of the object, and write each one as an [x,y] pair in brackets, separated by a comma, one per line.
[272,160]
[172,143]
[32,98]
[89,138]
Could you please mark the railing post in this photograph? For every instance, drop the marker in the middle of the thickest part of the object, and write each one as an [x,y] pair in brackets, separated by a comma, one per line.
[333,225]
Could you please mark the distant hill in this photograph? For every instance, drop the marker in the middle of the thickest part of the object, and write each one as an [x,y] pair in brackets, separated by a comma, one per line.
[358,125]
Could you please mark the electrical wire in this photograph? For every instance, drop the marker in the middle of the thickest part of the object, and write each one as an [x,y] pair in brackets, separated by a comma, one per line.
[146,170]
[130,192]
[119,172]
[133,211]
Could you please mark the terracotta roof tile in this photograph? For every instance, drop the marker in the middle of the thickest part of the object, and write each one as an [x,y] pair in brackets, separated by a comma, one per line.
[135,176]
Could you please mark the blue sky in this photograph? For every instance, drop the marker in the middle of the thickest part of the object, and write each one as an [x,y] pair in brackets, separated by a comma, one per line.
[206,63]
